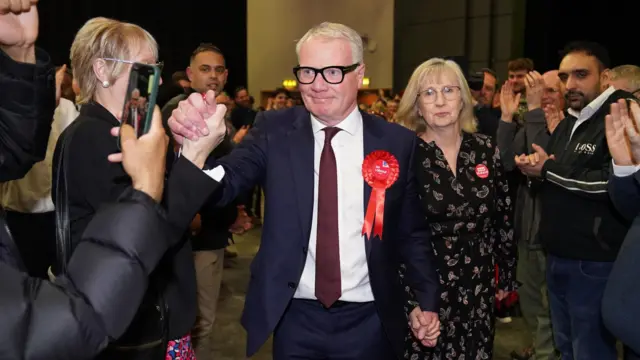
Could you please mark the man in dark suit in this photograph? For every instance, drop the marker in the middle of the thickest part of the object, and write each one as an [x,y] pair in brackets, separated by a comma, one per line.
[620,309]
[328,291]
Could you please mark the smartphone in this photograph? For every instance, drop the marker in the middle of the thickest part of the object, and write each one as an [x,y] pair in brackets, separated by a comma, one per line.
[140,99]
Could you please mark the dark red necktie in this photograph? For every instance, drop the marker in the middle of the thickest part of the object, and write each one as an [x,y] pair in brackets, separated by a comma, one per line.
[328,282]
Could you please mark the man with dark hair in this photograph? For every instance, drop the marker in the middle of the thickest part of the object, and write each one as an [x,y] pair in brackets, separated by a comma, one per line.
[517,70]
[242,114]
[211,234]
[484,96]
[579,227]
[488,117]
[207,71]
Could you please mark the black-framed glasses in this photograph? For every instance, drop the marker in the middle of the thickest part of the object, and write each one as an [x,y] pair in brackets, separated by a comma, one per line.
[430,95]
[331,74]
[636,93]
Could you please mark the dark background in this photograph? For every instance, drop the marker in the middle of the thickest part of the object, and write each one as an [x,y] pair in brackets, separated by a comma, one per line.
[178,27]
[550,24]
[181,25]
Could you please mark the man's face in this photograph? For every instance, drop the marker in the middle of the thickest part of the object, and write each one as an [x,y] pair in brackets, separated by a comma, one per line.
[516,78]
[330,102]
[392,108]
[280,101]
[488,90]
[553,93]
[242,98]
[208,72]
[581,75]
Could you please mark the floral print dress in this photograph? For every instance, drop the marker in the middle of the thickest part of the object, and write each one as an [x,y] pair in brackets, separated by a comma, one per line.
[470,216]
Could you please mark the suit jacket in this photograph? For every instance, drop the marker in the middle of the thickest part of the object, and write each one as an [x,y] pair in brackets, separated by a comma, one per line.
[278,153]
[621,296]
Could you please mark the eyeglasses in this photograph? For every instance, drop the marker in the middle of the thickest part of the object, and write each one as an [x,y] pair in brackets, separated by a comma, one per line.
[430,95]
[331,74]
[160,64]
[636,93]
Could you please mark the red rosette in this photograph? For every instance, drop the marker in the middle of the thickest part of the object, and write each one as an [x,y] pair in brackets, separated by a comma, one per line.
[380,170]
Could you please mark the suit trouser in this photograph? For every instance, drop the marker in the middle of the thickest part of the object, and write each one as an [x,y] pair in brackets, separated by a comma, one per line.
[534,301]
[209,266]
[346,331]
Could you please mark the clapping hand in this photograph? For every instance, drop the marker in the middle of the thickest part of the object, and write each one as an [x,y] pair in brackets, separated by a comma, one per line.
[531,165]
[425,326]
[622,134]
[509,102]
[553,116]
[535,88]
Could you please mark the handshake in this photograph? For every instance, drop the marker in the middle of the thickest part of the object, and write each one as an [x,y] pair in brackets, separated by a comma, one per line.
[425,326]
[144,158]
[198,125]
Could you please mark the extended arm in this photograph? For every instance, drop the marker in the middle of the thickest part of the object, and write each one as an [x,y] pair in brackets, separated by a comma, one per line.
[415,246]
[75,317]
[26,112]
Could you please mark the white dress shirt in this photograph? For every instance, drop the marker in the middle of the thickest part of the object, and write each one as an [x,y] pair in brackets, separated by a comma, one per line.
[348,146]
[32,193]
[624,170]
[590,109]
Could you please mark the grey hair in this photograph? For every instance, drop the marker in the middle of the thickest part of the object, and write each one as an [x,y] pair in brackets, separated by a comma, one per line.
[334,31]
[631,73]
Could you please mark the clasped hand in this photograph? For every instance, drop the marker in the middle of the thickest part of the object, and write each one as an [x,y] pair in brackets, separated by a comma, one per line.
[531,165]
[425,326]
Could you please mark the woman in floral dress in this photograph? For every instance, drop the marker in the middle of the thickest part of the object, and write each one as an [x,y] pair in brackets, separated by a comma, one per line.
[465,195]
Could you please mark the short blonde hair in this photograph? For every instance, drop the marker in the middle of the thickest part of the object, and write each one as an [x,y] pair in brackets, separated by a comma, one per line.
[101,38]
[335,31]
[630,73]
[407,114]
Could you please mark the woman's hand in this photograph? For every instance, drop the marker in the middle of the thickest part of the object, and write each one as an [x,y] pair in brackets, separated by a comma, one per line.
[144,158]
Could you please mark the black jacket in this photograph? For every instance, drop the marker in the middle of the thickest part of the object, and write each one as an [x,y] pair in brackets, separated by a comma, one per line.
[516,140]
[578,218]
[215,221]
[107,276]
[27,104]
[94,182]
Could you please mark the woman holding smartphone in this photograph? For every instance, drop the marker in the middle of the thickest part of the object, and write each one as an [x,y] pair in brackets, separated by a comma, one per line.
[102,56]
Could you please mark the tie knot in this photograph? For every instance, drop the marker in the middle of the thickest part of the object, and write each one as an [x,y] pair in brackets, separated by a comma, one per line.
[329,133]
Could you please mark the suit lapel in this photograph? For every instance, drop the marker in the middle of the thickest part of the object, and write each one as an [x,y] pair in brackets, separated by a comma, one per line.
[301,148]
[373,140]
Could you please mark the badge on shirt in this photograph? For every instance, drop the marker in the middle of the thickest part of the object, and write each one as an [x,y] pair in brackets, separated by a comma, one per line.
[482,171]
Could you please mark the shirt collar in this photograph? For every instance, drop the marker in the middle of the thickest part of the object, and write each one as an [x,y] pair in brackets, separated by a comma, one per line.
[350,124]
[593,106]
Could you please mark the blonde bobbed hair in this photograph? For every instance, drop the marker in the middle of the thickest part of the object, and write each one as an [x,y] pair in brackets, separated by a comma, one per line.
[101,38]
[431,71]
